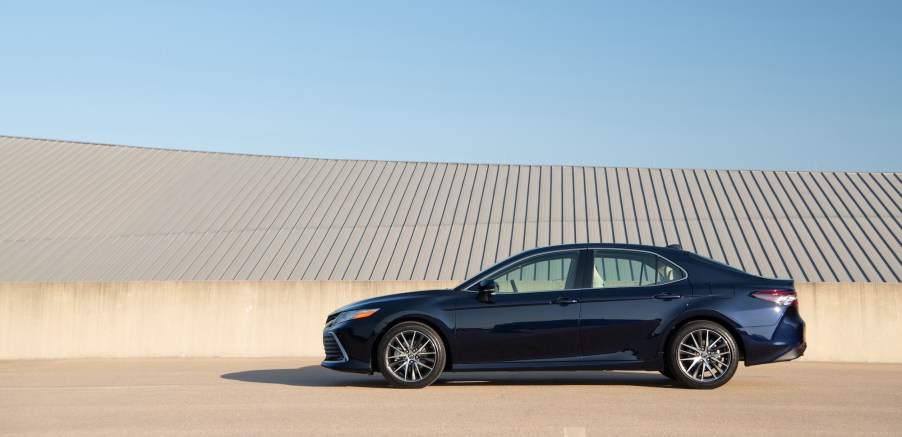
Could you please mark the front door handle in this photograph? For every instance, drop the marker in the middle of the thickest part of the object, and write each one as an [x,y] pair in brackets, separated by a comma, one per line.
[667,296]
[564,301]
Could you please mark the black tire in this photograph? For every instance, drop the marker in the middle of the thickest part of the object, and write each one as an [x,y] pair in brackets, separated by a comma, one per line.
[409,370]
[708,354]
[667,372]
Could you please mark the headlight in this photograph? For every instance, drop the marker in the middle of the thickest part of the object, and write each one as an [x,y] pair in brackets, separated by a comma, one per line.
[350,315]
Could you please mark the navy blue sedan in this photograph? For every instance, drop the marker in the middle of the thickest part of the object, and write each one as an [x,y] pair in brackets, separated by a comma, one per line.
[576,307]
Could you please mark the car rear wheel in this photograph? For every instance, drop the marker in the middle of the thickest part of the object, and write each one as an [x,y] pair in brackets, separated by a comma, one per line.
[703,354]
[411,355]
[666,372]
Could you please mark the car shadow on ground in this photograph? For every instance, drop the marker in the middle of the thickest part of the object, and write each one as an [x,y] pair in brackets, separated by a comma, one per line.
[316,376]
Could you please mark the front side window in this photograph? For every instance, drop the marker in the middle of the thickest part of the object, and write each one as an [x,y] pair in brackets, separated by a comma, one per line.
[620,268]
[552,272]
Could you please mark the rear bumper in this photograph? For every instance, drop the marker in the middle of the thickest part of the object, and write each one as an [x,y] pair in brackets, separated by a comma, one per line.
[783,341]
[793,354]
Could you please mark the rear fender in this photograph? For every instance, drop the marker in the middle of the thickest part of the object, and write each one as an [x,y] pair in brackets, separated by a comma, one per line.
[704,314]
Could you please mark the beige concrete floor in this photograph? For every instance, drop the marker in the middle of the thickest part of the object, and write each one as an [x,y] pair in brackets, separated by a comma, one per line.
[279,396]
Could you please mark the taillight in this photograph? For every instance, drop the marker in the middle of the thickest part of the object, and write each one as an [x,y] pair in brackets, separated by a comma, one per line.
[779,297]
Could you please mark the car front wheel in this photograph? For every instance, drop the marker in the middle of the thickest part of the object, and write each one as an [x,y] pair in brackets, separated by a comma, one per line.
[411,355]
[703,355]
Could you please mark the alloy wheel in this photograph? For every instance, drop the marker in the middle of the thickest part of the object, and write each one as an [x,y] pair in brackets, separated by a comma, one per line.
[410,356]
[704,355]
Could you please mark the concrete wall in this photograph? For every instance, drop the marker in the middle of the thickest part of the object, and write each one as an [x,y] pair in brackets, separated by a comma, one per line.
[184,319]
[846,321]
[854,322]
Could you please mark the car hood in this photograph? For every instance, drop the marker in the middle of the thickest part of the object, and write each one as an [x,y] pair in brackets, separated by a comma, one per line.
[376,301]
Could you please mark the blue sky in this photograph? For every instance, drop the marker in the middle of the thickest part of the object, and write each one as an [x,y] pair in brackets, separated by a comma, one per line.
[757,85]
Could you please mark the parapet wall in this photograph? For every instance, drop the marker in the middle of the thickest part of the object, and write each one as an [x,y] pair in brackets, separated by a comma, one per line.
[853,322]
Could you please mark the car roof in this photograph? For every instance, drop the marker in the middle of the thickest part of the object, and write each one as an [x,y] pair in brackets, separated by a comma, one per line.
[644,247]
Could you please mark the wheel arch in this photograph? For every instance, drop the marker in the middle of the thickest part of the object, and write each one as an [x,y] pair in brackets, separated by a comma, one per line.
[720,319]
[436,326]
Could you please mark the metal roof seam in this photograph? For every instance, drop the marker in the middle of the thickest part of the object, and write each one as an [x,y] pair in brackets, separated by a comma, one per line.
[80,211]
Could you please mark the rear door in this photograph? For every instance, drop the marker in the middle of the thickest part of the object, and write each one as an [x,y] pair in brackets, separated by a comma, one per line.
[633,295]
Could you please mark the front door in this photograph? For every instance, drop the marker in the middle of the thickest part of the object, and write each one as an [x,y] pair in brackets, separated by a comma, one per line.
[533,315]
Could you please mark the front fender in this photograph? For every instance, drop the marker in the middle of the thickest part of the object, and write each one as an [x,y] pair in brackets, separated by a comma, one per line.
[444,325]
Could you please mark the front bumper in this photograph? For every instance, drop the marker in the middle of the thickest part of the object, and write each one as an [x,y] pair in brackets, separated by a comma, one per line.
[335,352]
[347,347]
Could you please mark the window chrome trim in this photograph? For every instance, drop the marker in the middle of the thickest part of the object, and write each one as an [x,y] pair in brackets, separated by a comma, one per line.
[685,273]
[591,249]
[341,348]
[500,268]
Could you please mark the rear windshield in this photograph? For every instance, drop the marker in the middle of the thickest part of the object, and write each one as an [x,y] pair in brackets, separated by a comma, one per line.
[715,262]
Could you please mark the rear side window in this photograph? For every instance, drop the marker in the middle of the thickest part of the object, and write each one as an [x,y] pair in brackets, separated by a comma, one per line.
[624,268]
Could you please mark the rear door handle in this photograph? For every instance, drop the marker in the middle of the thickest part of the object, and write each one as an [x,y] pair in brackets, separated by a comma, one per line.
[667,296]
[564,301]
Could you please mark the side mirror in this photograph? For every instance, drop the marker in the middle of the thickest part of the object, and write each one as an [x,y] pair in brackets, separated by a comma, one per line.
[487,286]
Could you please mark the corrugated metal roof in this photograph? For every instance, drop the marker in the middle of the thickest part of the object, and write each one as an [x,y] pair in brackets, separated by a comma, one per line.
[75,211]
